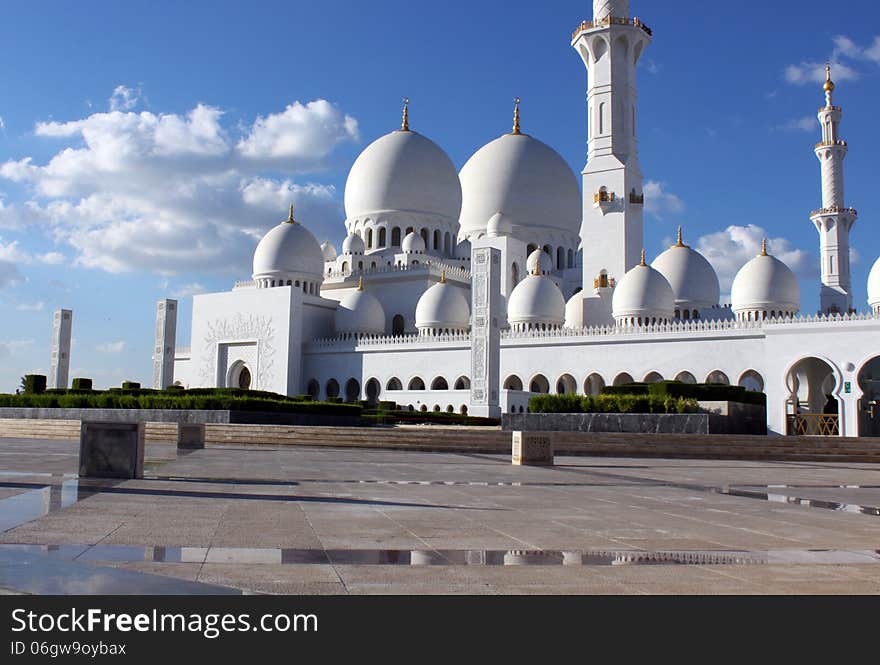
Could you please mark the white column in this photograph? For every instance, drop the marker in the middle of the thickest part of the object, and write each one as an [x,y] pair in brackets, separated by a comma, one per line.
[165,343]
[62,324]
[611,232]
[485,332]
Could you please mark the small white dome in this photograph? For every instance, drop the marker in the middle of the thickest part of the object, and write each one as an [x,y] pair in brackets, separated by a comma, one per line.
[525,178]
[360,313]
[542,256]
[328,250]
[288,250]
[765,285]
[498,225]
[413,243]
[692,278]
[574,311]
[403,171]
[536,300]
[443,307]
[874,285]
[353,244]
[643,293]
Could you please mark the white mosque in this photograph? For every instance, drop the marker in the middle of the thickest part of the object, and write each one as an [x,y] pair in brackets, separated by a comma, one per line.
[472,291]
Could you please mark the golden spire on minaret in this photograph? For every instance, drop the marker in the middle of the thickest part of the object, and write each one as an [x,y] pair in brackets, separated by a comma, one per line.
[361,283]
[829,84]
[537,270]
[443,276]
[764,247]
[290,219]
[642,262]
[404,126]
[516,116]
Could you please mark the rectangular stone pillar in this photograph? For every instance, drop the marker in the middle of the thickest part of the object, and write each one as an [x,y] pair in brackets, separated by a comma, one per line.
[485,332]
[532,449]
[111,450]
[166,340]
[62,324]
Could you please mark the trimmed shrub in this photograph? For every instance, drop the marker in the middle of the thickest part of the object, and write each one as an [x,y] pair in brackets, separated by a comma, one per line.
[131,385]
[34,384]
[81,384]
[387,406]
[703,392]
[637,403]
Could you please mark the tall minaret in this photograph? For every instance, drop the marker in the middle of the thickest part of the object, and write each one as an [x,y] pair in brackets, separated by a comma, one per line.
[833,220]
[611,232]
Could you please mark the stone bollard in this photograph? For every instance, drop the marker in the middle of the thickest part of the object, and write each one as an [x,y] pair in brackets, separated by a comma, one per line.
[190,436]
[111,450]
[532,448]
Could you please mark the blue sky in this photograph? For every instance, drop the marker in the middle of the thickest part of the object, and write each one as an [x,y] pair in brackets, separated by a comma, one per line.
[145,147]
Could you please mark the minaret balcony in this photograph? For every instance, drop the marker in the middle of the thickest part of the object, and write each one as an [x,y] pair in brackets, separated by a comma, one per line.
[828,144]
[637,199]
[610,20]
[834,210]
[606,201]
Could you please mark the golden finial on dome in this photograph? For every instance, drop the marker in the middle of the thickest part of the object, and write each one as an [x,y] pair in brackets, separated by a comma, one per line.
[404,126]
[515,116]
[443,276]
[537,270]
[360,283]
[642,262]
[764,247]
[679,242]
[290,219]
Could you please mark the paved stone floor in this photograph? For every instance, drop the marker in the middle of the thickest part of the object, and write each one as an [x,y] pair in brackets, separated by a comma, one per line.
[309,521]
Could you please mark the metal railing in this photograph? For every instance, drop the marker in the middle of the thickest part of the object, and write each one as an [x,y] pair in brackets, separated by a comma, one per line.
[610,20]
[812,424]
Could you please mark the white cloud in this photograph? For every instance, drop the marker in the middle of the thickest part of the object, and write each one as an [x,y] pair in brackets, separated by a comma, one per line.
[52,258]
[730,249]
[124,98]
[2,124]
[31,307]
[299,132]
[111,347]
[805,124]
[187,290]
[814,72]
[11,347]
[659,202]
[170,193]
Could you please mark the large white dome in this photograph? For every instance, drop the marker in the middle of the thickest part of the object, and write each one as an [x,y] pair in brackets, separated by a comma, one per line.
[643,293]
[526,179]
[874,286]
[360,313]
[288,250]
[765,286]
[443,307]
[536,301]
[692,278]
[403,171]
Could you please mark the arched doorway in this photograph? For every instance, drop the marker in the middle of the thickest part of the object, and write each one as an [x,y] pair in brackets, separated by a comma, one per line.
[332,389]
[751,380]
[462,383]
[566,385]
[313,389]
[397,325]
[869,404]
[439,383]
[539,384]
[594,384]
[685,377]
[416,383]
[811,407]
[352,390]
[718,377]
[239,376]
[373,389]
[513,382]
[622,379]
[653,377]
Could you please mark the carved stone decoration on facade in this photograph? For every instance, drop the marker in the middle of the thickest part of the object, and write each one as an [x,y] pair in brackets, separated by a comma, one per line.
[259,329]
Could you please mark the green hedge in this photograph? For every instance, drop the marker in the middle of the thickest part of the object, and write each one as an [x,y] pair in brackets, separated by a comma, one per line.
[201,399]
[34,384]
[80,383]
[131,385]
[639,403]
[703,392]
